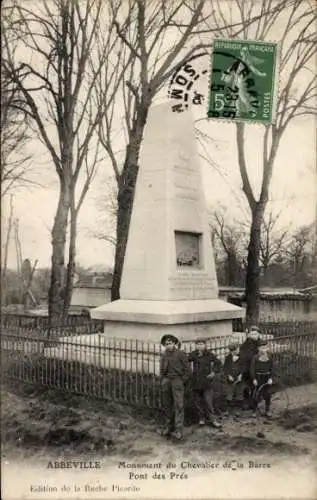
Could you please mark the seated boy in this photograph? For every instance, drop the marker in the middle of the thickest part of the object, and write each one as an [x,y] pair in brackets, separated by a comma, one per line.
[205,367]
[261,372]
[175,372]
[234,385]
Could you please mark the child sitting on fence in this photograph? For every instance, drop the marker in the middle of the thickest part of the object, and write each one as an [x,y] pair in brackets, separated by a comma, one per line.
[233,380]
[261,373]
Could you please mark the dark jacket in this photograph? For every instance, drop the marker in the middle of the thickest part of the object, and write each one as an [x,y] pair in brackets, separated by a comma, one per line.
[233,368]
[175,364]
[261,370]
[203,364]
[248,350]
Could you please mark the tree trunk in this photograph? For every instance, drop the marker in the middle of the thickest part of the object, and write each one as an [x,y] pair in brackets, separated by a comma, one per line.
[70,273]
[57,285]
[125,198]
[252,285]
[232,268]
[5,258]
[265,265]
[125,205]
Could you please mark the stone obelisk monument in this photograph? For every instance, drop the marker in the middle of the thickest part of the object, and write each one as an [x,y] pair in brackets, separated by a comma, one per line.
[169,282]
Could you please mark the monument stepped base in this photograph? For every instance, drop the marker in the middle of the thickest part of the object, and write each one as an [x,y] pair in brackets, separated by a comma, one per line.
[149,320]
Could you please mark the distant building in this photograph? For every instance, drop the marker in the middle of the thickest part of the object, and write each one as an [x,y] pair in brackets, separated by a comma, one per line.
[278,304]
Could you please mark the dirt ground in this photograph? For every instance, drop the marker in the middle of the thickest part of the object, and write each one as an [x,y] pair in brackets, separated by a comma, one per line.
[42,425]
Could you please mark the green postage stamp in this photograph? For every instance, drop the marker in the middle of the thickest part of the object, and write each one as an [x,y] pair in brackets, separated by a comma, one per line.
[243,84]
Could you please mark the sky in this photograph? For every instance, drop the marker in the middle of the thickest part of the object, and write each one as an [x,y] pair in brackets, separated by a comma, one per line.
[293,189]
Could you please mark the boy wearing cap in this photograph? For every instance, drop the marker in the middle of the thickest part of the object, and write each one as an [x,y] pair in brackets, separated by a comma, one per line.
[175,372]
[261,372]
[205,366]
[233,378]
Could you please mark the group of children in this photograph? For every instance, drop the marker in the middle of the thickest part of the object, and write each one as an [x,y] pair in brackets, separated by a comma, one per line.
[245,376]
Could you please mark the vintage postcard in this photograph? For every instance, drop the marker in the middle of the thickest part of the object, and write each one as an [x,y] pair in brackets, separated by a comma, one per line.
[159,249]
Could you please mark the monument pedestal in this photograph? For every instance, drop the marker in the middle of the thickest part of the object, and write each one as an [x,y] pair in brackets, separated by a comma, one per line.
[169,282]
[149,320]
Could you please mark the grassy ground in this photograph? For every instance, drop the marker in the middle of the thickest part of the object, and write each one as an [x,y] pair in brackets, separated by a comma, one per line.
[45,424]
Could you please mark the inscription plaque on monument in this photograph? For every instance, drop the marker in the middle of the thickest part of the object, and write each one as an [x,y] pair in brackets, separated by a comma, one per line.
[187,249]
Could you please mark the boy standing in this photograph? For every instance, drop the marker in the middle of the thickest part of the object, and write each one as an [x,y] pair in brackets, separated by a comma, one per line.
[261,372]
[205,367]
[175,372]
[248,350]
[233,374]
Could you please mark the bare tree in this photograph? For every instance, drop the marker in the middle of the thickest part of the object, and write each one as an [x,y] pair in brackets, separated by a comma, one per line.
[231,237]
[143,63]
[296,21]
[152,39]
[90,168]
[56,75]
[105,227]
[300,255]
[15,163]
[273,239]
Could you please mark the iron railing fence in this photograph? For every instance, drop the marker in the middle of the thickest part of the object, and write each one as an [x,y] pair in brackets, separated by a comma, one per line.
[128,370]
[39,325]
[76,324]
[279,328]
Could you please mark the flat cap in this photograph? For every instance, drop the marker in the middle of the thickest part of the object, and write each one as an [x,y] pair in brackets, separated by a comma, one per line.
[167,337]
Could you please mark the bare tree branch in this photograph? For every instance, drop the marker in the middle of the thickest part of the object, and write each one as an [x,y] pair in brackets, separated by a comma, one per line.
[296,21]
[56,75]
